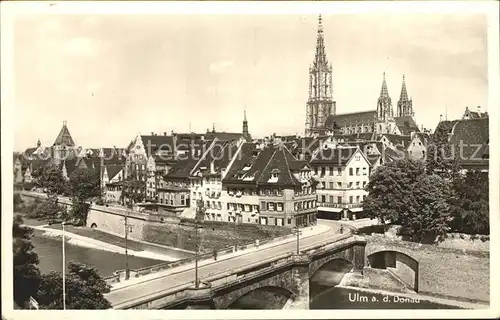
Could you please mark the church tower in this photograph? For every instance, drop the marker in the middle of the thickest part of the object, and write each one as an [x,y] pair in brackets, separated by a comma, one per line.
[385,117]
[405,107]
[320,103]
[63,145]
[246,135]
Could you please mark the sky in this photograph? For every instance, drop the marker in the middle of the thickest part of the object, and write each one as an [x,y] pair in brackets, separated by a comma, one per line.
[112,77]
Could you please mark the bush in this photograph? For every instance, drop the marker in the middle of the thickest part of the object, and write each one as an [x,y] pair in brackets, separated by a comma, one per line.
[484,238]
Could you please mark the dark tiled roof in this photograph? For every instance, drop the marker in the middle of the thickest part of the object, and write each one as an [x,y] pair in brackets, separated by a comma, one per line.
[474,135]
[230,136]
[341,120]
[64,137]
[113,170]
[362,136]
[397,139]
[261,164]
[334,156]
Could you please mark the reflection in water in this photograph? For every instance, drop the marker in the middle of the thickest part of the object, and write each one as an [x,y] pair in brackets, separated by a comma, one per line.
[49,252]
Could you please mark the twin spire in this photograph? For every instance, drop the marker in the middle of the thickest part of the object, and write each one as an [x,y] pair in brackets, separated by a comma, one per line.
[384,92]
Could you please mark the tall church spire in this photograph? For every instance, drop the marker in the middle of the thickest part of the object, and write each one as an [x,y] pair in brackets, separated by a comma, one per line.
[246,135]
[405,105]
[384,92]
[384,103]
[320,103]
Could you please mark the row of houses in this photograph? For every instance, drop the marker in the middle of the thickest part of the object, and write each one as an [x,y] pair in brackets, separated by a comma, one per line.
[278,180]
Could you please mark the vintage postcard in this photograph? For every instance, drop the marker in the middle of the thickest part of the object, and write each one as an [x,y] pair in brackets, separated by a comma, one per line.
[313,160]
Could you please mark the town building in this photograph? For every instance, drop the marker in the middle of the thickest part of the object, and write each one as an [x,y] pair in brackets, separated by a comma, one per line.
[206,179]
[343,173]
[266,184]
[417,149]
[469,114]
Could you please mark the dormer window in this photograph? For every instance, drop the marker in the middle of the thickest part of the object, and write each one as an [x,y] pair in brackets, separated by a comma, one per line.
[275,173]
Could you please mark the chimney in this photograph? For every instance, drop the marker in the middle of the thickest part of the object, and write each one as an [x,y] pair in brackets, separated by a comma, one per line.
[440,118]
[152,133]
[212,167]
[164,133]
[479,110]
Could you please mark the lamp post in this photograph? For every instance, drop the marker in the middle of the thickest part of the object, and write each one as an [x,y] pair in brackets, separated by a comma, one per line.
[127,271]
[64,265]
[199,216]
[235,235]
[297,232]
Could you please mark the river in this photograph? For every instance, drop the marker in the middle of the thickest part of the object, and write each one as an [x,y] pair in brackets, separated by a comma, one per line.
[49,252]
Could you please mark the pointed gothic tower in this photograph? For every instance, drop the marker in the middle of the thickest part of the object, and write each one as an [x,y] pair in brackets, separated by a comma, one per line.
[320,103]
[63,145]
[245,124]
[384,103]
[385,117]
[405,107]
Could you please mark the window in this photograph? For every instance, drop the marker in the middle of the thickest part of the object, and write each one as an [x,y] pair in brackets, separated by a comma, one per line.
[339,171]
[349,186]
[350,199]
[364,184]
[289,221]
[339,199]
[357,199]
[219,205]
[420,143]
[331,171]
[364,171]
[208,204]
[279,206]
[228,206]
[357,171]
[350,171]
[339,184]
[322,171]
[271,206]
[229,219]
[413,143]
[357,184]
[331,199]
[331,185]
[323,198]
[423,153]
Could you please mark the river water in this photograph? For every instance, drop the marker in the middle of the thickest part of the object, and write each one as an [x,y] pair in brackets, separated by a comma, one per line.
[49,252]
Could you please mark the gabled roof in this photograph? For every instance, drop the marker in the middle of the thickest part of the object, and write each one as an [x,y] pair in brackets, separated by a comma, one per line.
[333,156]
[473,134]
[219,153]
[361,118]
[397,139]
[113,170]
[64,137]
[256,166]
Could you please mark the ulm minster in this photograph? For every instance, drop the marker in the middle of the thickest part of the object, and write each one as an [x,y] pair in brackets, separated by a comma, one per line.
[230,220]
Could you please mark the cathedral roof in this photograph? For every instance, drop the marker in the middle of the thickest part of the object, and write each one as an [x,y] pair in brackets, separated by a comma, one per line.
[64,137]
[341,120]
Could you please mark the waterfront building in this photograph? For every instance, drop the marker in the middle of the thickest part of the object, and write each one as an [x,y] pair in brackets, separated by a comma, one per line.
[343,172]
[206,179]
[266,184]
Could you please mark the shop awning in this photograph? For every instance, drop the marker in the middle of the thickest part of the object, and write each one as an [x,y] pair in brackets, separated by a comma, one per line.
[356,209]
[329,209]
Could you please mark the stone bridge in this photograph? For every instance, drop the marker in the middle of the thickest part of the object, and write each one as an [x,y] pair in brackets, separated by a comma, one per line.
[288,274]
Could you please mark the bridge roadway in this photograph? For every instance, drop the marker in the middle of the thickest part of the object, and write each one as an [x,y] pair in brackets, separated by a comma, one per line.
[122,297]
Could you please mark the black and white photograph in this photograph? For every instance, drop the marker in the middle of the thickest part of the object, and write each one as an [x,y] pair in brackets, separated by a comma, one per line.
[250,156]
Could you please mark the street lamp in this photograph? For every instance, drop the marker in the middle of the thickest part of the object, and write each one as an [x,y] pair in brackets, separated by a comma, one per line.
[297,232]
[127,270]
[64,265]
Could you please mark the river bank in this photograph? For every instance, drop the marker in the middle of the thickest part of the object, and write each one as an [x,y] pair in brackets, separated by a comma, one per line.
[86,242]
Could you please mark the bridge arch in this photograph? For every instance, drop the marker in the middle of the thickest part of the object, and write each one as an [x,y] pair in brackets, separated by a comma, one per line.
[347,254]
[274,297]
[396,259]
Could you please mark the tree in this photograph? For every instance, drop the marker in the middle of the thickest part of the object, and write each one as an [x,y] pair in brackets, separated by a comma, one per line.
[441,156]
[52,179]
[25,260]
[390,189]
[428,214]
[48,209]
[471,208]
[133,190]
[83,185]
[85,289]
